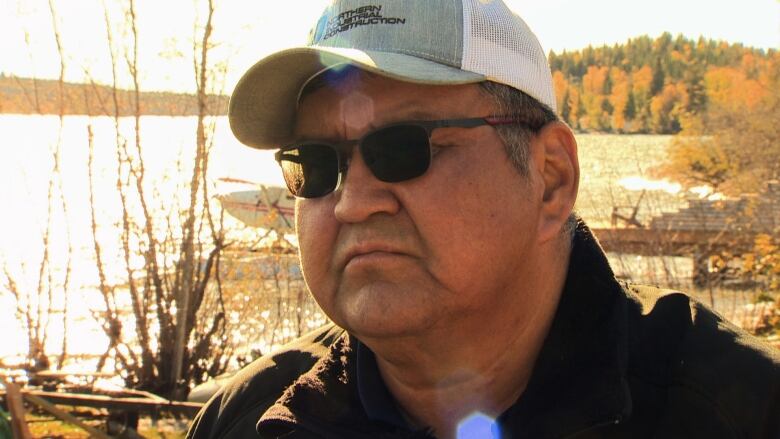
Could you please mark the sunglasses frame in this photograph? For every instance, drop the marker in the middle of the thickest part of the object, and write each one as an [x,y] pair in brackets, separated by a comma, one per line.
[344,148]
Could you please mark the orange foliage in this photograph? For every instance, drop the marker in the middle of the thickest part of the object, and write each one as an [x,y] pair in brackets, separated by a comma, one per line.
[730,88]
[641,80]
[667,107]
[560,84]
[619,97]
[594,81]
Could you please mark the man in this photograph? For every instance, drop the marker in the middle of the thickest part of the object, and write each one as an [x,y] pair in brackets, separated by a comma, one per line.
[435,187]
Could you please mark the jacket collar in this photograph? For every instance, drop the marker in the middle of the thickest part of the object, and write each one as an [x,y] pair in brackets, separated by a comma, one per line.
[578,380]
[325,402]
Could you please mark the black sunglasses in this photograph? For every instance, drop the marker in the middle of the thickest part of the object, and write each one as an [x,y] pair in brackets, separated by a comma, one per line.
[394,153]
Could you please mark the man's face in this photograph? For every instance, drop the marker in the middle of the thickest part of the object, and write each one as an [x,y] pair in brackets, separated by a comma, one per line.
[452,247]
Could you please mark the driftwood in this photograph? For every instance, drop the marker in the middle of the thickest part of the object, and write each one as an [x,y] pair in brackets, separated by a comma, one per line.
[139,402]
[64,416]
[60,375]
[135,404]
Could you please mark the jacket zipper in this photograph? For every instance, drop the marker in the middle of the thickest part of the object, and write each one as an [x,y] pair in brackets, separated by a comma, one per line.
[613,421]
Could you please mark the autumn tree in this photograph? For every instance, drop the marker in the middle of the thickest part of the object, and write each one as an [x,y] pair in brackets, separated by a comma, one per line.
[561,87]
[594,99]
[667,107]
[619,98]
[733,147]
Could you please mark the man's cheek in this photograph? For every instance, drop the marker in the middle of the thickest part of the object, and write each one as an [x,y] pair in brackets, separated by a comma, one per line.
[315,277]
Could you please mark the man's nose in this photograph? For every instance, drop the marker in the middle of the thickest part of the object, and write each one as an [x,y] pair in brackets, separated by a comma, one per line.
[362,195]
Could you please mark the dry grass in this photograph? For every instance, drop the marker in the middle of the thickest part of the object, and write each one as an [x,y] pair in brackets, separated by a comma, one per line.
[47,427]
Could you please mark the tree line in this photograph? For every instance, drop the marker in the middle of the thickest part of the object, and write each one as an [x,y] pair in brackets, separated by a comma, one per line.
[41,96]
[654,85]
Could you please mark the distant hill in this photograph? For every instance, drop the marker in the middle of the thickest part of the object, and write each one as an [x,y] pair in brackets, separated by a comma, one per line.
[41,96]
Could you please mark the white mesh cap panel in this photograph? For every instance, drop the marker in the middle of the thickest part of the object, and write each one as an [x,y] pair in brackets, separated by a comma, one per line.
[499,45]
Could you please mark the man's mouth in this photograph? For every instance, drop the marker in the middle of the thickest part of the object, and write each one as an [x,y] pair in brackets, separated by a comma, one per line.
[371,253]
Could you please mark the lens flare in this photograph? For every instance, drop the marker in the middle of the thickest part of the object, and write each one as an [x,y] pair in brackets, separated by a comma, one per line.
[478,426]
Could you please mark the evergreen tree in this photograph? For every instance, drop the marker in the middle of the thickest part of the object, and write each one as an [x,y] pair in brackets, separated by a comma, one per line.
[695,85]
[630,111]
[658,78]
[607,107]
[607,85]
[566,108]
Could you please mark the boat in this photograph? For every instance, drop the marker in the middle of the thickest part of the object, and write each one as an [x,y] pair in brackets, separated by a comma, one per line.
[259,205]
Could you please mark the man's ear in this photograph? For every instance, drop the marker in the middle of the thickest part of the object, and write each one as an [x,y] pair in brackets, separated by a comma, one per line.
[556,160]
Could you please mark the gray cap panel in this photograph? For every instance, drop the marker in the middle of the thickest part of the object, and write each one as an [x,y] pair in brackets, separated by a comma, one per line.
[430,30]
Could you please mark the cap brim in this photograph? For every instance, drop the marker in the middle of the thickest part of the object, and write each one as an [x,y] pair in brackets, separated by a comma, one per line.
[262,107]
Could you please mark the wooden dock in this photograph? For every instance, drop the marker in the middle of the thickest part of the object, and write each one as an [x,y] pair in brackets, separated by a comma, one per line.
[703,229]
[655,242]
[704,226]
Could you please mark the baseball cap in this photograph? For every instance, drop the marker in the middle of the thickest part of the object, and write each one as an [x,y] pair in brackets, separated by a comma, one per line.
[437,42]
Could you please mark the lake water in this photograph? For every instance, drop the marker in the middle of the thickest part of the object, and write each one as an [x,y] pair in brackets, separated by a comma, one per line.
[614,172]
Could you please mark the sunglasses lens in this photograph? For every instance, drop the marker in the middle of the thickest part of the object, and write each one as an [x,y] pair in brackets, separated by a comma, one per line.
[393,154]
[310,171]
[397,153]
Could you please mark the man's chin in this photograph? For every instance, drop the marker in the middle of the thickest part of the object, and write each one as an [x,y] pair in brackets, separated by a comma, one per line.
[386,311]
[385,330]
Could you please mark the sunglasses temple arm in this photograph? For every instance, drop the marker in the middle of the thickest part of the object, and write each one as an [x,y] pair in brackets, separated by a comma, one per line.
[289,157]
[460,123]
[478,121]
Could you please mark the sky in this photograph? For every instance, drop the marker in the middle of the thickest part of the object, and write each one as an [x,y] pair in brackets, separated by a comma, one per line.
[247,30]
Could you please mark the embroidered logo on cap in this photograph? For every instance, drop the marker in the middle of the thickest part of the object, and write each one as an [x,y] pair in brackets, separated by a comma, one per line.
[329,26]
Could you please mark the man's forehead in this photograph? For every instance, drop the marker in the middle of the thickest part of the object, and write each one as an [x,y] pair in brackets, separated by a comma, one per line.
[336,77]
[367,100]
[347,78]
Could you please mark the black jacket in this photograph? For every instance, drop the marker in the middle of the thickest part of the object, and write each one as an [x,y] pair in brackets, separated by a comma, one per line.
[620,361]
